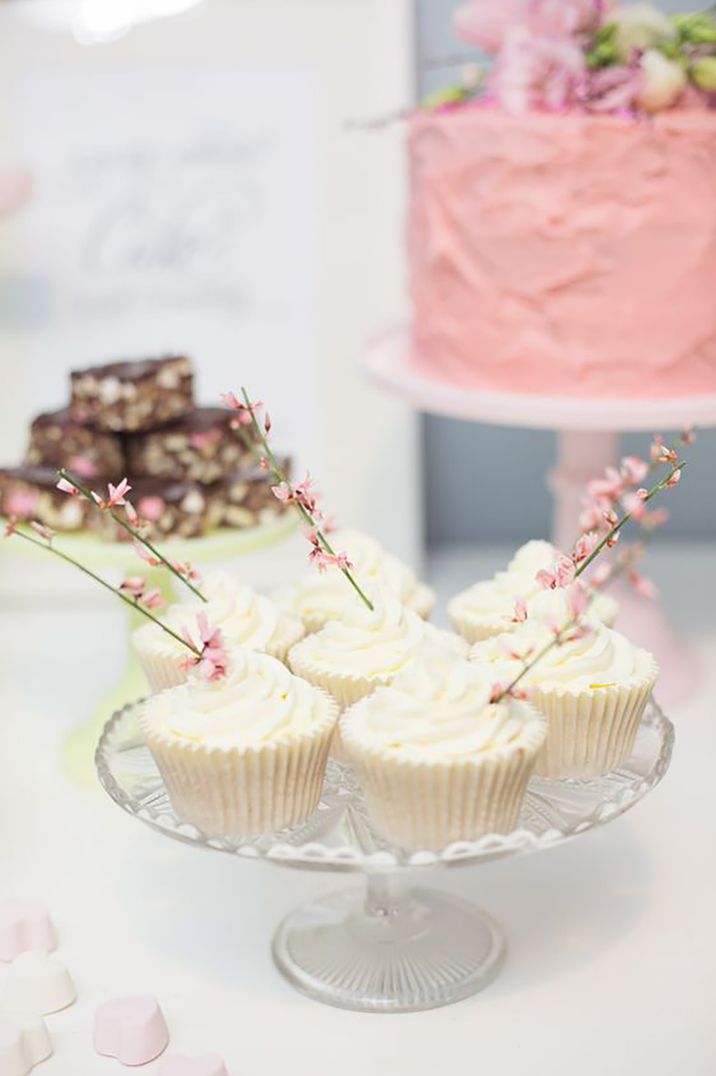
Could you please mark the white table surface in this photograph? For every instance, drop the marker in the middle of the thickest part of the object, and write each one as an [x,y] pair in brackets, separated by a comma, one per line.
[612,959]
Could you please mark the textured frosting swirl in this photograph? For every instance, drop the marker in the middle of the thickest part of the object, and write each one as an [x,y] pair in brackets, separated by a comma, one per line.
[244,617]
[438,707]
[258,702]
[320,598]
[599,659]
[373,644]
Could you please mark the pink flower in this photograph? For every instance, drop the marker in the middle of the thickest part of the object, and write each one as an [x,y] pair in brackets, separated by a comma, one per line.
[674,479]
[283,493]
[244,412]
[520,611]
[579,631]
[45,532]
[561,574]
[634,470]
[131,514]
[487,23]
[10,527]
[145,555]
[117,494]
[186,571]
[264,464]
[342,562]
[643,586]
[201,439]
[577,599]
[608,488]
[496,692]
[613,89]
[134,585]
[612,540]
[585,546]
[67,487]
[212,660]
[303,492]
[601,575]
[655,519]
[660,452]
[591,517]
[82,466]
[151,508]
[536,73]
[151,599]
[635,505]
[21,503]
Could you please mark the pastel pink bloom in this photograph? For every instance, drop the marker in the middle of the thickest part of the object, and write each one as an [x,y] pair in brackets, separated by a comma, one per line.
[674,479]
[643,586]
[611,518]
[487,23]
[67,487]
[117,494]
[204,438]
[523,694]
[510,646]
[152,599]
[283,492]
[303,493]
[634,470]
[82,466]
[655,519]
[585,546]
[613,89]
[145,555]
[612,540]
[660,452]
[21,503]
[10,527]
[151,508]
[244,412]
[496,692]
[577,599]
[341,561]
[319,558]
[579,631]
[561,574]
[519,614]
[187,571]
[634,505]
[536,73]
[267,423]
[601,574]
[264,464]
[131,514]
[591,517]
[45,532]
[608,488]
[134,585]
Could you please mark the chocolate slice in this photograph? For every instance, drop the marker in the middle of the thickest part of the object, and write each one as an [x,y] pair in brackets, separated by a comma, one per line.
[198,447]
[127,395]
[58,440]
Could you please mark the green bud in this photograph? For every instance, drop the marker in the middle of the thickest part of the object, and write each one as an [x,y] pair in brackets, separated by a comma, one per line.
[697,29]
[703,73]
[602,55]
[448,95]
[673,51]
[605,34]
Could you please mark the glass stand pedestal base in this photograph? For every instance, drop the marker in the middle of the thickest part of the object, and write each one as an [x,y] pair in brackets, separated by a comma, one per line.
[396,950]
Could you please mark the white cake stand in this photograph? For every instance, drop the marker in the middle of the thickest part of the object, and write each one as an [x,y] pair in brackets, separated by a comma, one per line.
[392,947]
[588,441]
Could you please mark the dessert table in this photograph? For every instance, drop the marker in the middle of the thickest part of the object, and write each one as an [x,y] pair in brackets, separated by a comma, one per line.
[612,937]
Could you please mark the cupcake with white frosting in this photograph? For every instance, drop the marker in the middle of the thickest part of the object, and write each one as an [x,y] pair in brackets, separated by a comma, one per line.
[592,689]
[365,648]
[245,754]
[438,762]
[320,598]
[244,617]
[487,608]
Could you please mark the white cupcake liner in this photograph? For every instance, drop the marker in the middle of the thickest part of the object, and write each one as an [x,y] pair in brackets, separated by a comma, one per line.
[245,791]
[345,688]
[422,600]
[592,732]
[475,628]
[290,630]
[428,804]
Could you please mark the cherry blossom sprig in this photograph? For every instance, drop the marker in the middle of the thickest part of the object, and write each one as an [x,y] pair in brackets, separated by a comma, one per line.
[117,498]
[301,495]
[566,573]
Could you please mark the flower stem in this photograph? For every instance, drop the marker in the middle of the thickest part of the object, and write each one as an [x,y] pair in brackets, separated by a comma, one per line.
[87,494]
[107,586]
[281,476]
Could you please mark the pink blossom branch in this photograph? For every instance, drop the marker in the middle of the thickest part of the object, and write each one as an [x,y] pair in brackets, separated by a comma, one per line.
[12,529]
[308,516]
[135,532]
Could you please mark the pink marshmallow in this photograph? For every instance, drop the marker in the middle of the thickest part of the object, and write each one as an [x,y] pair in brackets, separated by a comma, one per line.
[25,925]
[206,1065]
[133,1030]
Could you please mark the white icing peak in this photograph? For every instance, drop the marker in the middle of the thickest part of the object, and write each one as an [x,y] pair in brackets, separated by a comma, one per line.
[438,707]
[373,643]
[599,659]
[259,701]
[323,597]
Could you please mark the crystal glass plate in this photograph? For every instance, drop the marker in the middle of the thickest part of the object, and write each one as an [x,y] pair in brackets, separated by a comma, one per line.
[397,949]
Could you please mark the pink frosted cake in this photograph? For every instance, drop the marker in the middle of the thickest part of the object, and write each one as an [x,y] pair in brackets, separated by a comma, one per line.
[561,247]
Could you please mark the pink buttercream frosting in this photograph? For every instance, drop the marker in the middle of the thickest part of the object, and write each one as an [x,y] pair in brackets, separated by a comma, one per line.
[565,254]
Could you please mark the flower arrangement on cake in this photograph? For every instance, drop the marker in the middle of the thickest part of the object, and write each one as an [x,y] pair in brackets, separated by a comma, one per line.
[562,221]
[444,738]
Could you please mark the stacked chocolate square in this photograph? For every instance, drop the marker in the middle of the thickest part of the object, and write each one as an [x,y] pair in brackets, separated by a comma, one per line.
[190,472]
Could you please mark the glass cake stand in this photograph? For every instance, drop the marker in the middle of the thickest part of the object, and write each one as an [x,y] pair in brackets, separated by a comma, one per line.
[394,945]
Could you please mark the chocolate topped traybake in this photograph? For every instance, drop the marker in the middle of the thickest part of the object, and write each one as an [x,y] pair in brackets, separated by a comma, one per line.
[32,493]
[198,447]
[58,440]
[132,395]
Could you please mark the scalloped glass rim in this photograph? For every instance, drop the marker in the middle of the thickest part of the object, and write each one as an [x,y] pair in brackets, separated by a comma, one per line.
[553,811]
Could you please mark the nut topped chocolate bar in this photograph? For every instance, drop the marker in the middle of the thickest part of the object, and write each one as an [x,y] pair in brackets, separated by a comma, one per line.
[57,440]
[248,499]
[124,396]
[167,508]
[32,493]
[200,446]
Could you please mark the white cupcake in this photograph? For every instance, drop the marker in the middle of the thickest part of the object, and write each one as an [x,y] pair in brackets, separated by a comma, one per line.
[245,754]
[487,608]
[320,598]
[244,617]
[592,690]
[351,656]
[437,761]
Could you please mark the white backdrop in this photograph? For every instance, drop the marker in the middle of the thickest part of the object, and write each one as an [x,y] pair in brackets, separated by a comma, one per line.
[198,188]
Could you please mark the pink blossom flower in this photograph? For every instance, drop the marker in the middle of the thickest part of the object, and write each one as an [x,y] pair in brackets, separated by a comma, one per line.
[118,493]
[613,89]
[212,660]
[613,539]
[264,464]
[21,502]
[660,452]
[267,424]
[283,493]
[579,631]
[151,599]
[655,519]
[45,532]
[66,486]
[201,439]
[145,555]
[519,614]
[634,505]
[82,466]
[536,73]
[591,518]
[585,546]
[151,508]
[303,493]
[131,513]
[577,599]
[244,412]
[560,575]
[487,23]
[601,575]
[496,692]
[634,470]
[342,562]
[135,585]
[10,527]
[674,479]
[186,571]
[608,488]
[643,586]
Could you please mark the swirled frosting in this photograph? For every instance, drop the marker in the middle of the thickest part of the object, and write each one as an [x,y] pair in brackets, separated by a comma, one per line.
[374,644]
[438,707]
[493,600]
[258,702]
[244,617]
[320,598]
[564,255]
[601,658]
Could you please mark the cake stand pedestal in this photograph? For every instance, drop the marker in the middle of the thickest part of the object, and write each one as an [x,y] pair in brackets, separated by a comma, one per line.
[390,945]
[588,440]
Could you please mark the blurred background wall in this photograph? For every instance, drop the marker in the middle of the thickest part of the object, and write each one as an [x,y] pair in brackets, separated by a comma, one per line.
[486,483]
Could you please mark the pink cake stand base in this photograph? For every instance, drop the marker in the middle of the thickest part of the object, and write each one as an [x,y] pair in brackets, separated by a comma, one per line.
[588,440]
